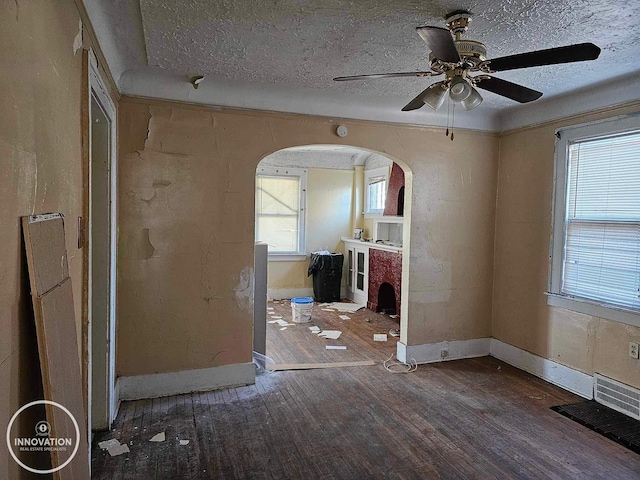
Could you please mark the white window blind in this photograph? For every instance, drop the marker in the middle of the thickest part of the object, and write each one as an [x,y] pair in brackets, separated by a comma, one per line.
[377,194]
[278,213]
[602,221]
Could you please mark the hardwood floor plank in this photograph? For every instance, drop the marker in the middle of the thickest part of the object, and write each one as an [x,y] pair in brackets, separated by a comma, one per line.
[468,419]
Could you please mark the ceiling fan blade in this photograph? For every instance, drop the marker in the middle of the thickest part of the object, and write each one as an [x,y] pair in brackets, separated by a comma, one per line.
[550,56]
[440,41]
[385,75]
[418,102]
[507,89]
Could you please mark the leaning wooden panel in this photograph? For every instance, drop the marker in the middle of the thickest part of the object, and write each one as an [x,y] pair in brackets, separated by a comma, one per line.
[48,252]
[57,341]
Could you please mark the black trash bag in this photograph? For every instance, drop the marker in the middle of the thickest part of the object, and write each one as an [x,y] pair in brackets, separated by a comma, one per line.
[327,276]
[325,261]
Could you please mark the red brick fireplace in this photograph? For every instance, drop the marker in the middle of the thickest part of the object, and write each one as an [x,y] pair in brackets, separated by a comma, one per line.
[385,275]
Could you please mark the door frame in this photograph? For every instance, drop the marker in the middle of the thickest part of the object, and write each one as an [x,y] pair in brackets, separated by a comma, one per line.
[98,91]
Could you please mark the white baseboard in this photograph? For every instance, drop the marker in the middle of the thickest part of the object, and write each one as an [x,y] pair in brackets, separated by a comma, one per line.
[565,377]
[433,352]
[286,293]
[186,381]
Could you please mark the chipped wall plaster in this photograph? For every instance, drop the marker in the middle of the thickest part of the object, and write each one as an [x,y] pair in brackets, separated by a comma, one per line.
[244,290]
[40,172]
[181,303]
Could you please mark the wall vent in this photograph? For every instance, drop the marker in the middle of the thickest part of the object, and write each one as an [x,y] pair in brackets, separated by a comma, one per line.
[616,395]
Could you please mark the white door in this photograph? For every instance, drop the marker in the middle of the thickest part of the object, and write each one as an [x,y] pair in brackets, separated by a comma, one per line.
[351,259]
[361,275]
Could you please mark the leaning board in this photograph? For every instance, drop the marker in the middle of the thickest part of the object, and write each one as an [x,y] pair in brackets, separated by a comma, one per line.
[57,338]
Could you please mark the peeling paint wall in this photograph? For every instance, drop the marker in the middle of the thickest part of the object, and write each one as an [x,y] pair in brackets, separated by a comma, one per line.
[41,172]
[178,310]
[521,316]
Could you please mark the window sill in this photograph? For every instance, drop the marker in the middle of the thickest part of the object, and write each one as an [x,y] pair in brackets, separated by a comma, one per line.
[288,257]
[373,214]
[588,307]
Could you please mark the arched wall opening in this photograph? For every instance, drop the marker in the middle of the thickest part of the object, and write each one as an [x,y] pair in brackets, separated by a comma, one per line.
[329,156]
[187,218]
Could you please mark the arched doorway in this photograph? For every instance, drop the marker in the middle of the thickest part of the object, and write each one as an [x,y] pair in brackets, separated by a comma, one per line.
[336,186]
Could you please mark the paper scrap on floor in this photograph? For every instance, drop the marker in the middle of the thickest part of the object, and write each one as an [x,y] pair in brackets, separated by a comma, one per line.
[116,450]
[336,347]
[159,437]
[379,337]
[315,329]
[283,328]
[344,317]
[327,309]
[284,323]
[332,334]
[108,443]
[276,316]
[346,307]
[184,442]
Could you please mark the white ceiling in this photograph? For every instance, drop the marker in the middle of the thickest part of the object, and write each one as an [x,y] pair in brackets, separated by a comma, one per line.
[283,54]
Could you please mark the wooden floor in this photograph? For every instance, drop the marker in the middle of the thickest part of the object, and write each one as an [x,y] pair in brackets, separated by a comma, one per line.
[476,418]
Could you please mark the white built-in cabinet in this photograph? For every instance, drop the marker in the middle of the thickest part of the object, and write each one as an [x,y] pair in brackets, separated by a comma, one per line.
[357,267]
[357,273]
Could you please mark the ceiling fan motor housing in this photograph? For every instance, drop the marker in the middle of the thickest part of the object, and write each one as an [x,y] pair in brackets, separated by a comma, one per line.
[472,52]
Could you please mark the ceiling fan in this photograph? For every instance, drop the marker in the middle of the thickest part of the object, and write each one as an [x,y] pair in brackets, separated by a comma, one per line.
[456,59]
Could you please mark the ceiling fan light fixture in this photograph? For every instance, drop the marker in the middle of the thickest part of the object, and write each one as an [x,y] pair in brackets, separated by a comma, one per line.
[434,97]
[459,89]
[472,101]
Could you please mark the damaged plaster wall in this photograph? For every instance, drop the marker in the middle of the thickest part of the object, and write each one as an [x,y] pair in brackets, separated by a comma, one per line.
[178,309]
[41,172]
[521,316]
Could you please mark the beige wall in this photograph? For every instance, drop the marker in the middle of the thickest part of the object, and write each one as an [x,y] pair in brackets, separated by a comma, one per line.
[329,195]
[521,316]
[41,172]
[187,228]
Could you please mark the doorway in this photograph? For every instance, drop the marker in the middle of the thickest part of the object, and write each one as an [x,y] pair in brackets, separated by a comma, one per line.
[102,257]
[325,210]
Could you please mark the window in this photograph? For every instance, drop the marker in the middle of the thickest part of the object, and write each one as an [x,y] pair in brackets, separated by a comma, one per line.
[596,241]
[280,200]
[375,190]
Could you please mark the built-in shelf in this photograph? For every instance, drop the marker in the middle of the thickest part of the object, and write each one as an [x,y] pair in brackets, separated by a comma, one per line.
[379,246]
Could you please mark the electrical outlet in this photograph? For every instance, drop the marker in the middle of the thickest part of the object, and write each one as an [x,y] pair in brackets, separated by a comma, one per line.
[445,353]
[633,349]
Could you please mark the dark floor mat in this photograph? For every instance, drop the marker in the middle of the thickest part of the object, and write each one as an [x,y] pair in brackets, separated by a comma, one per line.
[614,425]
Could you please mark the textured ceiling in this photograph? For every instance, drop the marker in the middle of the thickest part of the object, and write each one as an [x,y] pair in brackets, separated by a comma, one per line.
[306,43]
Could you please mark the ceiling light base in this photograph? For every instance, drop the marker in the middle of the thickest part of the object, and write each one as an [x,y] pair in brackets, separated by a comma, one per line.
[458,21]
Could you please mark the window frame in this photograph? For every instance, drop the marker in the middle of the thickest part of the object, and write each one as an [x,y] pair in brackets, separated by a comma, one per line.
[369,174]
[300,173]
[564,138]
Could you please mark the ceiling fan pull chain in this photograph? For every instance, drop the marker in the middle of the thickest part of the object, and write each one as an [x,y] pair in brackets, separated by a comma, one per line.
[448,116]
[453,119]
